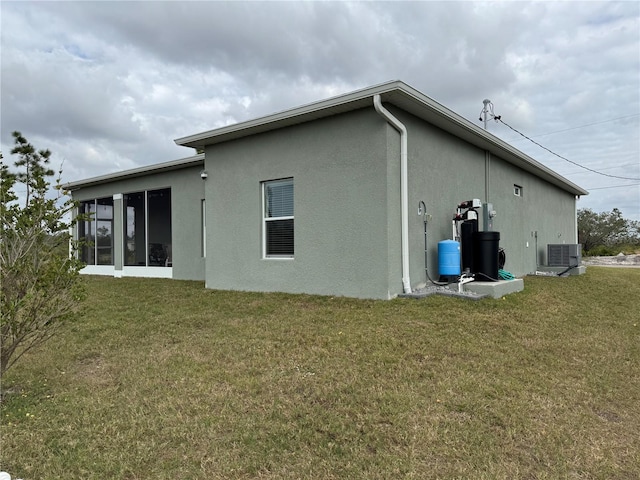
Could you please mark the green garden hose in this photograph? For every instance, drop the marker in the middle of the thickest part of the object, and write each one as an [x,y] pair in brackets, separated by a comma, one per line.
[504,275]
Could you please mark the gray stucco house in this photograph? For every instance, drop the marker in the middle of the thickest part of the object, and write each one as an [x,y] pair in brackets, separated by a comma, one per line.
[323,199]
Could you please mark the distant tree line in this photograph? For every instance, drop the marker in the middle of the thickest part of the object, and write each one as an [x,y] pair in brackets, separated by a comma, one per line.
[607,233]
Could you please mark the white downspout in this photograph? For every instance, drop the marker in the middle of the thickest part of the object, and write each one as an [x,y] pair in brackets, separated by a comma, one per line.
[575,219]
[404,195]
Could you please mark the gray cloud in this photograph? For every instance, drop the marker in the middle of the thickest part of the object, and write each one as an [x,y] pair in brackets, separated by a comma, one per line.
[109,85]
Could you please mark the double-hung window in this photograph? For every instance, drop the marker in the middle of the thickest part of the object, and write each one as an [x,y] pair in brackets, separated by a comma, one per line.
[278,218]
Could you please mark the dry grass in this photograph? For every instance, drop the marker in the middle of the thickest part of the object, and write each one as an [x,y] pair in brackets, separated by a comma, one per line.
[163,379]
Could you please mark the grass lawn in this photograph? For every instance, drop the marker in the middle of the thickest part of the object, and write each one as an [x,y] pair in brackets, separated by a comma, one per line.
[162,379]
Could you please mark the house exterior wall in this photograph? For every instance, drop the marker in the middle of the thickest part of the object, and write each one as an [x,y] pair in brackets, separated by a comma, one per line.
[346,173]
[187,192]
[444,171]
[543,210]
[394,221]
[339,167]
[347,207]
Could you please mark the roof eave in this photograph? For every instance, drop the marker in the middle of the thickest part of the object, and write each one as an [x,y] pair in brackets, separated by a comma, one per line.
[522,160]
[187,162]
[437,114]
[304,113]
[402,96]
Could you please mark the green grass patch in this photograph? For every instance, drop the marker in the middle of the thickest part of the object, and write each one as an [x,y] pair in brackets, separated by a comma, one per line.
[163,379]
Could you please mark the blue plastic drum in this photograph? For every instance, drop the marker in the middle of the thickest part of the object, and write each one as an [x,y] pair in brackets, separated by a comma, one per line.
[449,258]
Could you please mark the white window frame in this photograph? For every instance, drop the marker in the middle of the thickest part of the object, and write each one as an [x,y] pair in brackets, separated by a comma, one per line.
[95,218]
[266,219]
[145,192]
[517,190]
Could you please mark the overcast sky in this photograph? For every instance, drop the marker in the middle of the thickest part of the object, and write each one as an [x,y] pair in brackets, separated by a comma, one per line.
[108,86]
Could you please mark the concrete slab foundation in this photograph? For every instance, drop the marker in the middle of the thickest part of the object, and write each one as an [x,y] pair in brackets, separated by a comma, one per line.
[579,270]
[447,291]
[471,290]
[495,289]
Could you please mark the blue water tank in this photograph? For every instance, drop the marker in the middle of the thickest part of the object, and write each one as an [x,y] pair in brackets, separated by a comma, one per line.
[449,258]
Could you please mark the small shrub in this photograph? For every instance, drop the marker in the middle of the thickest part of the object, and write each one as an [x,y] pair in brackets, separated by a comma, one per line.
[602,251]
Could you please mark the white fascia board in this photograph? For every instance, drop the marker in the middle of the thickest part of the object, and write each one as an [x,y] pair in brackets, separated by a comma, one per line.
[402,96]
[428,109]
[304,113]
[137,172]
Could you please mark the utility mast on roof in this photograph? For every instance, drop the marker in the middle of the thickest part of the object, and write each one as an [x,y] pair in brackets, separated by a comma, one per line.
[487,111]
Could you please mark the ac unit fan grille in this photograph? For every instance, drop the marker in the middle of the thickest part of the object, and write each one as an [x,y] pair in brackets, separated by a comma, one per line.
[563,255]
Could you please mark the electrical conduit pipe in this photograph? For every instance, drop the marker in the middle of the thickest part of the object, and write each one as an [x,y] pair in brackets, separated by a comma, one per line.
[404,195]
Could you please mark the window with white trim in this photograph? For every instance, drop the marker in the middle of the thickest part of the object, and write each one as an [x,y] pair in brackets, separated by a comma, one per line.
[517,190]
[277,216]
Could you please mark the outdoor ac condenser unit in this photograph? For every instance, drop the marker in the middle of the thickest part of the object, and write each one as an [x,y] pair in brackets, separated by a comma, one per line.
[563,255]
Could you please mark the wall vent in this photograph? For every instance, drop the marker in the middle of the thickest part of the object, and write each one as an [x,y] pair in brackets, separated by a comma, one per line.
[563,255]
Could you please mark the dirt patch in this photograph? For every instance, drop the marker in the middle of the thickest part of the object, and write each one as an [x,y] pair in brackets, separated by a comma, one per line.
[93,370]
[613,261]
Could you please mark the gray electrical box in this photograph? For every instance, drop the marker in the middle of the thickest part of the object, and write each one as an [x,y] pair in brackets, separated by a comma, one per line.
[487,216]
[564,255]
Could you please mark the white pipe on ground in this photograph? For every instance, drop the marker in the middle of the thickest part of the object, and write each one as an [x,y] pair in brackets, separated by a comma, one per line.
[404,195]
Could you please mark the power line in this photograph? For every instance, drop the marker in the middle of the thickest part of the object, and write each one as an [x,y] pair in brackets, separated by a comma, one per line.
[586,125]
[497,118]
[615,186]
[634,164]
